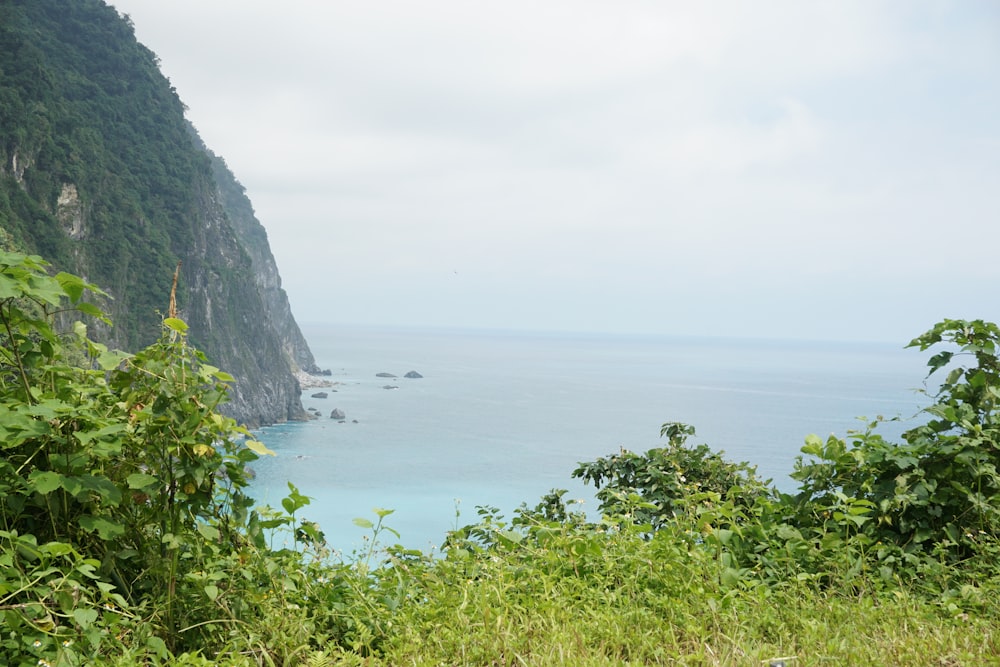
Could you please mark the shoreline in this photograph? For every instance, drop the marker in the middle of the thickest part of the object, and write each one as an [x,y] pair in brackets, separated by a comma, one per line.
[309,381]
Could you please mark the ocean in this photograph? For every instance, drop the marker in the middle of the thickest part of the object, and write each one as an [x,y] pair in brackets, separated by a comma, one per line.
[500,418]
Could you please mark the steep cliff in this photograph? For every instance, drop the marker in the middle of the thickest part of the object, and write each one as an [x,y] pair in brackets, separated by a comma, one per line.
[254,238]
[101,174]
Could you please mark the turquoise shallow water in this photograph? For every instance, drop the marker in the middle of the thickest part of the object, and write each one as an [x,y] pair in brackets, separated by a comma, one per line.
[501,418]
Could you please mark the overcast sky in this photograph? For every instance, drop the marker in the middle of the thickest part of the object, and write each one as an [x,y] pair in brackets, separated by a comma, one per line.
[824,170]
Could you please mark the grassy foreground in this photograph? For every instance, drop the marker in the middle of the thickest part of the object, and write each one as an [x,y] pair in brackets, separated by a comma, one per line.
[658,602]
[584,596]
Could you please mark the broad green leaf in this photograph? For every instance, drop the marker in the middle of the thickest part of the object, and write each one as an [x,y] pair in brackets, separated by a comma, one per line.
[175,324]
[84,617]
[47,290]
[259,448]
[46,482]
[48,409]
[72,285]
[813,446]
[202,450]
[363,523]
[86,437]
[212,592]
[788,533]
[730,577]
[56,548]
[511,535]
[9,287]
[141,480]
[172,541]
[108,491]
[210,533]
[88,308]
[158,646]
[106,529]
[110,360]
[382,513]
[939,360]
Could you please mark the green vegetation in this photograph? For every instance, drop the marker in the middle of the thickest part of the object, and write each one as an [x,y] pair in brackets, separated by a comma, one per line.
[83,104]
[128,538]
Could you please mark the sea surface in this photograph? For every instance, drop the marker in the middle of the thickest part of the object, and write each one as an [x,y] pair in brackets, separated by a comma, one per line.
[500,418]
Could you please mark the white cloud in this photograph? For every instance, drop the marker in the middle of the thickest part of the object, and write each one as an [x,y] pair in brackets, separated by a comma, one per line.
[727,146]
[716,159]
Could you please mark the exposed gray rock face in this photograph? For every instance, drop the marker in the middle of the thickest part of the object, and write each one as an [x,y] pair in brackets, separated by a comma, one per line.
[231,321]
[384,375]
[69,212]
[253,236]
[320,394]
[337,413]
[413,375]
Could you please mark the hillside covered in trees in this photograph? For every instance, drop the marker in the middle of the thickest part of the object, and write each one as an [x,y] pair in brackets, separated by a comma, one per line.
[102,175]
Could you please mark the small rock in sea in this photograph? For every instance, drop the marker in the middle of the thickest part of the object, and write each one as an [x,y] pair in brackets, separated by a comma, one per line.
[390,386]
[354,421]
[337,413]
[384,375]
[319,394]
[413,375]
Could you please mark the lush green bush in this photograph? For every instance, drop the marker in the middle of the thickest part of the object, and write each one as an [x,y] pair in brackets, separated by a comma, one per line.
[868,513]
[123,515]
[940,488]
[665,478]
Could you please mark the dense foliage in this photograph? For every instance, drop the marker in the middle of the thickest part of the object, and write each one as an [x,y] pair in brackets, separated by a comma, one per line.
[83,104]
[122,505]
[127,536]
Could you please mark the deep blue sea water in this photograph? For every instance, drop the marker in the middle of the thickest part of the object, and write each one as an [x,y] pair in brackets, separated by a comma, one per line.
[501,418]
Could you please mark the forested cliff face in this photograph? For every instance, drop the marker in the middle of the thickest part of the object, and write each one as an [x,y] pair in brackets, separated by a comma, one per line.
[101,174]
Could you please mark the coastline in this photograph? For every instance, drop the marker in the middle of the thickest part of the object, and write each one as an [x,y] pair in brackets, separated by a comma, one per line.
[309,381]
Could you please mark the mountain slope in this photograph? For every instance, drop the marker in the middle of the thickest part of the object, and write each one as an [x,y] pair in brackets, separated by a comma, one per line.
[101,174]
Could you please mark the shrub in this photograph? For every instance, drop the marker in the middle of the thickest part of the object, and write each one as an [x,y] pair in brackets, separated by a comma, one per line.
[653,487]
[939,490]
